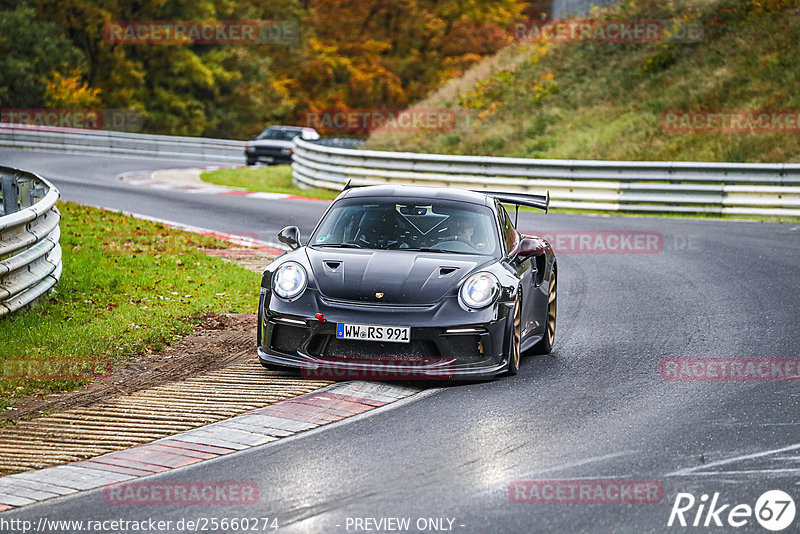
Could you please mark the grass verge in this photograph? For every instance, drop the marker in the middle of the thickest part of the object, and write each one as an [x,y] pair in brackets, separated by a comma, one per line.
[272,179]
[128,287]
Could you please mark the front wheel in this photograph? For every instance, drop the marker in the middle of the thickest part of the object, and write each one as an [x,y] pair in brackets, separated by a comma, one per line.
[545,346]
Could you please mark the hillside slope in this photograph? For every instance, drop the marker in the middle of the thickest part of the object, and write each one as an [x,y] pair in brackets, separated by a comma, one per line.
[584,100]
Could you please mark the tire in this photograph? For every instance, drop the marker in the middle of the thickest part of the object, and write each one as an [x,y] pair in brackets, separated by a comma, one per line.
[545,346]
[250,162]
[515,341]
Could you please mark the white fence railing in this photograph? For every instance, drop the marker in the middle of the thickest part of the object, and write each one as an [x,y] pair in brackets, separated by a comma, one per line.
[106,142]
[673,187]
[30,255]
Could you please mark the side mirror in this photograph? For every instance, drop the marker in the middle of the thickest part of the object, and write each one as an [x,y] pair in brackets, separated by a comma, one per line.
[290,236]
[532,246]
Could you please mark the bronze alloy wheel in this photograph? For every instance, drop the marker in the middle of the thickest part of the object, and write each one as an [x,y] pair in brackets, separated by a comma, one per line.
[552,306]
[548,339]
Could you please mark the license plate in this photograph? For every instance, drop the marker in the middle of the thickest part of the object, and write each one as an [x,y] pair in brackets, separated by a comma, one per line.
[393,334]
[266,159]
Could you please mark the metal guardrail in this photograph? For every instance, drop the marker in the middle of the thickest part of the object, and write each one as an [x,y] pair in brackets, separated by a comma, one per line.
[670,187]
[340,142]
[30,255]
[106,142]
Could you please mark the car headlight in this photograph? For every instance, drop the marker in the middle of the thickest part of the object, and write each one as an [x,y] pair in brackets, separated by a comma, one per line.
[290,280]
[286,151]
[479,290]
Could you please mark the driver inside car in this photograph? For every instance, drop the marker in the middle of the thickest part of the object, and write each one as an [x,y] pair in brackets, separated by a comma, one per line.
[464,232]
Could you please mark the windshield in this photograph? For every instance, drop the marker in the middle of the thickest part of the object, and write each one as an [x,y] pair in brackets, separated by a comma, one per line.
[278,134]
[421,224]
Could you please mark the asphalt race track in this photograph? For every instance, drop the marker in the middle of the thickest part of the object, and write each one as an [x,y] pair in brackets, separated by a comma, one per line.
[93,180]
[597,409]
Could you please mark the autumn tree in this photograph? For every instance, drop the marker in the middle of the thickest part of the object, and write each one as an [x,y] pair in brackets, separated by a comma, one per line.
[351,54]
[30,52]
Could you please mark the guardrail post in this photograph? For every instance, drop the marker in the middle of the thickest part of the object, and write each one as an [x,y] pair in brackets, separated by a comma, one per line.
[25,189]
[10,195]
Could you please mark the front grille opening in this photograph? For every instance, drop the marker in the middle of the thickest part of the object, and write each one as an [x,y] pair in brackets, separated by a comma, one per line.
[317,344]
[287,339]
[418,350]
[466,347]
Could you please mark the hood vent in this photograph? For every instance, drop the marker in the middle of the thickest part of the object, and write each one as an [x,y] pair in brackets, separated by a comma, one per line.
[445,271]
[332,265]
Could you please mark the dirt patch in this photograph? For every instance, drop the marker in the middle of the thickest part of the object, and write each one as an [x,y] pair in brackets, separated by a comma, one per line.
[220,340]
[251,259]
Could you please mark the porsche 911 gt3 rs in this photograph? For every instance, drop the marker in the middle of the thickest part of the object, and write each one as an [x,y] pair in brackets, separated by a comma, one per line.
[436,278]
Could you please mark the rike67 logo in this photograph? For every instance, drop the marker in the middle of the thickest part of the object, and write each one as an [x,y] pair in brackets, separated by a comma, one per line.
[774,510]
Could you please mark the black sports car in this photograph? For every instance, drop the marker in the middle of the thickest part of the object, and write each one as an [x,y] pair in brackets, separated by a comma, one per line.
[398,277]
[276,144]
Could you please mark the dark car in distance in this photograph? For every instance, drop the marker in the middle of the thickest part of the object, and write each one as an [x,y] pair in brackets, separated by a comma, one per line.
[436,277]
[275,144]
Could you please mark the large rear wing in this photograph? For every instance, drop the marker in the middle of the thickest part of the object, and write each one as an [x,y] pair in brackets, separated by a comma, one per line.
[541,202]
